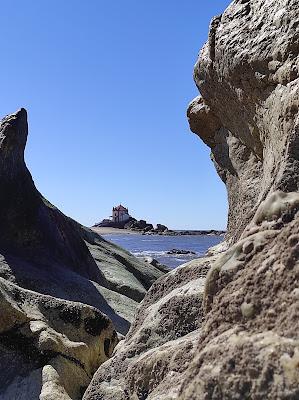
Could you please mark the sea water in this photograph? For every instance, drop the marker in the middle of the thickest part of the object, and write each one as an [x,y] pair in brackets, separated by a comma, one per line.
[156,246]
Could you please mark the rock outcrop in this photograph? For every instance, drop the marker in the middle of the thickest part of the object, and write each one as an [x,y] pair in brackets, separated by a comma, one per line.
[133,224]
[230,335]
[49,347]
[226,326]
[64,290]
[247,74]
[161,341]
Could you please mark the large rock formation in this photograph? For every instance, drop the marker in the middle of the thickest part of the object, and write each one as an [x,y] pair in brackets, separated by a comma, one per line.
[247,74]
[226,326]
[49,266]
[161,341]
[233,336]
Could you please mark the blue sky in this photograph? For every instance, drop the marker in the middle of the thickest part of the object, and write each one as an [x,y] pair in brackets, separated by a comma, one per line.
[106,85]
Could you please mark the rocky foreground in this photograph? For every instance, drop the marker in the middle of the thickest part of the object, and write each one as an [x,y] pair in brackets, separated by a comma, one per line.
[226,326]
[65,292]
[221,327]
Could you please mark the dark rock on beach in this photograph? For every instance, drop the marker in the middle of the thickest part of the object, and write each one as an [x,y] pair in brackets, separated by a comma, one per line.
[144,227]
[157,264]
[177,251]
[161,228]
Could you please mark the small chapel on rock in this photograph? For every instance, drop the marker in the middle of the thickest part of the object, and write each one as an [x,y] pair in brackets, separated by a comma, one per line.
[120,214]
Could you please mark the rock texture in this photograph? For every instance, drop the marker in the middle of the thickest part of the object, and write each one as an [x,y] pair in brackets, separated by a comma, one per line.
[233,335]
[247,74]
[226,326]
[161,341]
[51,343]
[49,347]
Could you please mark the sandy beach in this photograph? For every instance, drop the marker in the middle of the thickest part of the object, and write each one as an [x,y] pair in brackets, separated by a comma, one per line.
[110,231]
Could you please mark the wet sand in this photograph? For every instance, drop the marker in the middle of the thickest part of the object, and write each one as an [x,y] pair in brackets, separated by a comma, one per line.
[111,231]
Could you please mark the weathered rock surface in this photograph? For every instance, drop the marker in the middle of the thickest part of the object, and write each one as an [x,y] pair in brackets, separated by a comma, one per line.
[51,343]
[161,340]
[247,74]
[49,347]
[231,336]
[226,326]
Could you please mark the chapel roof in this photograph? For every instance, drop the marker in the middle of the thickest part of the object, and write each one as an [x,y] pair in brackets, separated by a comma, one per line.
[120,208]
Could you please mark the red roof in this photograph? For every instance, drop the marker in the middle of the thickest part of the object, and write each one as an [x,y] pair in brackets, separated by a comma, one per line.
[120,208]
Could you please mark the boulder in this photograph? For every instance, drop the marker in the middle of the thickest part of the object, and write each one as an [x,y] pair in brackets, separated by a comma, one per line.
[130,224]
[107,223]
[49,347]
[161,228]
[180,252]
[157,264]
[148,228]
[141,224]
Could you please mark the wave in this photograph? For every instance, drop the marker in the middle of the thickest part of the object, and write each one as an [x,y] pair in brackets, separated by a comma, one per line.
[154,253]
[150,253]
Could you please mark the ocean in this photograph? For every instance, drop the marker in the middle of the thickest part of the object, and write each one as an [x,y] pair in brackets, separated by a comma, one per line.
[156,246]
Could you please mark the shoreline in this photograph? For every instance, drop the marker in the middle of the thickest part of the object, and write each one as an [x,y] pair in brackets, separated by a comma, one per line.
[119,231]
[112,231]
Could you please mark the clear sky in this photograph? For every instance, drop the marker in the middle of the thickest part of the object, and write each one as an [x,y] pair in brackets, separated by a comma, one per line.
[106,85]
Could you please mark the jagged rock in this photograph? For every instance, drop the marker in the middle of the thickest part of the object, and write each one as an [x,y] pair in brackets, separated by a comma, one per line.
[161,228]
[148,228]
[157,264]
[50,343]
[142,224]
[247,74]
[179,252]
[233,334]
[130,224]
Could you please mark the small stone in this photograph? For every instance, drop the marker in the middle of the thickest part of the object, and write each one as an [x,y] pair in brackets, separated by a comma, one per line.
[247,309]
[295,293]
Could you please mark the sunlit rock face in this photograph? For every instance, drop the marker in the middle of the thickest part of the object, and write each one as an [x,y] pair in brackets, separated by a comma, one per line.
[247,74]
[221,327]
[226,326]
[65,292]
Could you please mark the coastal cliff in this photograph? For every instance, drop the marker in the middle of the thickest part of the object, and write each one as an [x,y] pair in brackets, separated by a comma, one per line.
[65,292]
[226,326]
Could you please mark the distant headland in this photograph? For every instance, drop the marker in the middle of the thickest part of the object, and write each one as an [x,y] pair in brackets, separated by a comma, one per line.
[122,222]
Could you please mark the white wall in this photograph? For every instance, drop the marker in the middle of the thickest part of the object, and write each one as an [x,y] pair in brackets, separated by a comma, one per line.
[123,216]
